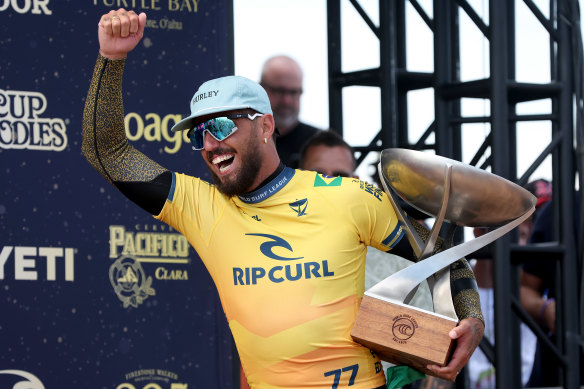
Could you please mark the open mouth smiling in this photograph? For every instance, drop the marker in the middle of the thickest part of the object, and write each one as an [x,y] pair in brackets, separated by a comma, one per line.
[223,162]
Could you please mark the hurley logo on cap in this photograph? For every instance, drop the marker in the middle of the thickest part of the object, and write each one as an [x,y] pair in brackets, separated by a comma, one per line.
[202,96]
[225,94]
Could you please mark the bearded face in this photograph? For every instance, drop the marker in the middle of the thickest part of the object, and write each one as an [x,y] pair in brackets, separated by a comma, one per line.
[243,164]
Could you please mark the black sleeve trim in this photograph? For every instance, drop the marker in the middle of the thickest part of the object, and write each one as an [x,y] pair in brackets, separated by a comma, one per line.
[404,250]
[150,196]
[461,284]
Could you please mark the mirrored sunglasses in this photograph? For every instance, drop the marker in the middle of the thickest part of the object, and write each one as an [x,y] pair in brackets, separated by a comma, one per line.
[219,128]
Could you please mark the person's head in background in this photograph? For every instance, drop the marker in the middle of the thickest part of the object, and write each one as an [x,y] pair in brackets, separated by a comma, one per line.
[542,189]
[326,152]
[282,78]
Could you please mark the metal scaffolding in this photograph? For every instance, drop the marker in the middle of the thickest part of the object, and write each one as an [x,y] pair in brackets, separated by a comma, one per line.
[499,149]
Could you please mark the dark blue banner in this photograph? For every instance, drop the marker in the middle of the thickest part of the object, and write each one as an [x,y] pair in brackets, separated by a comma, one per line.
[94,292]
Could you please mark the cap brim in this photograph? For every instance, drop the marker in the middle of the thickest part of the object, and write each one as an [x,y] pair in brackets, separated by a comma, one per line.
[185,124]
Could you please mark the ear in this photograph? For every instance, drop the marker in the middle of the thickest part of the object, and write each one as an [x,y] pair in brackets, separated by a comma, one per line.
[268,126]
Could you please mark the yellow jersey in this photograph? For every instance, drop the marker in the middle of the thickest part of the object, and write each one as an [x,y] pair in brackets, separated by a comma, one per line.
[288,261]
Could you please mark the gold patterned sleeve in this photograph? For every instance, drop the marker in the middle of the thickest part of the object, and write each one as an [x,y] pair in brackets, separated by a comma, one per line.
[463,285]
[106,147]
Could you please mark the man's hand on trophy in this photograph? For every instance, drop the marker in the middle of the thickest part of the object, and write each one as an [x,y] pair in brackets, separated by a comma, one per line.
[119,32]
[468,335]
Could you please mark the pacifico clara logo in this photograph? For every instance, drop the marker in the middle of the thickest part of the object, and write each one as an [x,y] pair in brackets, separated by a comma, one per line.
[144,253]
[130,282]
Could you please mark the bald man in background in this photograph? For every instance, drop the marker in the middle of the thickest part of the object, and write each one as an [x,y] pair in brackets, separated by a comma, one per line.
[282,78]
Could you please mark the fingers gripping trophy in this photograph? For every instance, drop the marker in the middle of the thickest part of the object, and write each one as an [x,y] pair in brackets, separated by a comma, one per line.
[452,191]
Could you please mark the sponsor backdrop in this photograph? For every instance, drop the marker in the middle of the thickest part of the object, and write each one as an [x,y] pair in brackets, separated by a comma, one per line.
[94,292]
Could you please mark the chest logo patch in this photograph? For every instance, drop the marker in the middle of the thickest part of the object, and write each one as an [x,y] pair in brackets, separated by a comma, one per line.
[299,207]
[322,180]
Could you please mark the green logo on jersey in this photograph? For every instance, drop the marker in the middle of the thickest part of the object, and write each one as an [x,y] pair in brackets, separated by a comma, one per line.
[319,180]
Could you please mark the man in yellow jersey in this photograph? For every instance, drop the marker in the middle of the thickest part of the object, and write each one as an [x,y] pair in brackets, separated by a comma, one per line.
[285,248]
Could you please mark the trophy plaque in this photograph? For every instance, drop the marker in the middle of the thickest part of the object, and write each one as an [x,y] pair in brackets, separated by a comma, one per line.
[450,191]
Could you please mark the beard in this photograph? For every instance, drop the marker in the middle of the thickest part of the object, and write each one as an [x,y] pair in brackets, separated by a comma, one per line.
[243,179]
[285,117]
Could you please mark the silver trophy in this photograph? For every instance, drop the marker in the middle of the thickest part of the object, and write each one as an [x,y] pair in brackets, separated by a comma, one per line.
[449,191]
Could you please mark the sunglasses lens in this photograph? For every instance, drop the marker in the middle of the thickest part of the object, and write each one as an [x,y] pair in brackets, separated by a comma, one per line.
[196,138]
[220,128]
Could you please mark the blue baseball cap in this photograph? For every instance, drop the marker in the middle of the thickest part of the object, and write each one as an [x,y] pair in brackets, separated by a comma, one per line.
[225,94]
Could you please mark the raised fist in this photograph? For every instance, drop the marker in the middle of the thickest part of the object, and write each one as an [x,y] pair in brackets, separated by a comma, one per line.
[119,32]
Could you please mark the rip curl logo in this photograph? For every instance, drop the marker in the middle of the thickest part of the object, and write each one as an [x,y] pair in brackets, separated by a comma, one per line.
[287,272]
[130,282]
[275,241]
[299,207]
[403,328]
[30,382]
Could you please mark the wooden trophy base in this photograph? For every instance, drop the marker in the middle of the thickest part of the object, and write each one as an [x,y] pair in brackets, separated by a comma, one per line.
[404,335]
